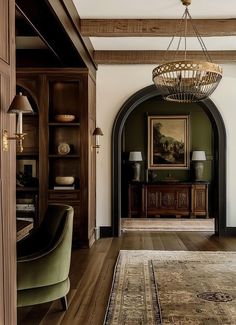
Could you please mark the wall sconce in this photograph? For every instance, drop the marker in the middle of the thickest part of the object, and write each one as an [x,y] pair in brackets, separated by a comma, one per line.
[20,105]
[97,133]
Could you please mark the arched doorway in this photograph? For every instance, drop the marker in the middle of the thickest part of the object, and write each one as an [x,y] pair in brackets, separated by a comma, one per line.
[219,156]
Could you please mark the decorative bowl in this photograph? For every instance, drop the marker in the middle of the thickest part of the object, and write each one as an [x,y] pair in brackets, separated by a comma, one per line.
[64,118]
[63,148]
[64,180]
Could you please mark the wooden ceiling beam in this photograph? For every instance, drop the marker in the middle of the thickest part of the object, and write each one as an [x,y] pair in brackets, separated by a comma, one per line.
[153,57]
[154,27]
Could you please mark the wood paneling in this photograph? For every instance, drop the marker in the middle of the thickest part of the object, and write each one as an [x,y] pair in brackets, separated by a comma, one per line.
[92,161]
[7,167]
[4,36]
[155,27]
[154,57]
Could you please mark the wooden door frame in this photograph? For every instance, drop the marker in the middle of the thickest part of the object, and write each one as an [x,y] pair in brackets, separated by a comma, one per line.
[219,156]
[7,167]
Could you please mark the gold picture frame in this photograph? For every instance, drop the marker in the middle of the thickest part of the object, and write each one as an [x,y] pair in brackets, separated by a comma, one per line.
[168,142]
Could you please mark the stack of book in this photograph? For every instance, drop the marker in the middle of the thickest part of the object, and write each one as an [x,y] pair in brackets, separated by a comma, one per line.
[64,187]
[25,207]
[25,211]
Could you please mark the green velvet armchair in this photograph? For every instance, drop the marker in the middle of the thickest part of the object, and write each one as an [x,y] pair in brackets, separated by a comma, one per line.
[43,259]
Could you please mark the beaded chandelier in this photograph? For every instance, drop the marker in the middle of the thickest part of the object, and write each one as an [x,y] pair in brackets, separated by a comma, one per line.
[182,80]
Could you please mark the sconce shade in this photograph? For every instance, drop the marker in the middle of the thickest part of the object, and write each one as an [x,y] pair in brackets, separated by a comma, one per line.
[20,104]
[198,156]
[135,156]
[97,131]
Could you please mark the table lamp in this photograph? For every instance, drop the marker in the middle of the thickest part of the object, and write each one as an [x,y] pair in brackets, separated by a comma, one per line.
[136,156]
[198,157]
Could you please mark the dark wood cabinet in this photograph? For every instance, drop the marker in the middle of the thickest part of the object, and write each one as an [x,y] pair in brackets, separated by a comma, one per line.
[167,200]
[182,199]
[200,200]
[135,200]
[70,92]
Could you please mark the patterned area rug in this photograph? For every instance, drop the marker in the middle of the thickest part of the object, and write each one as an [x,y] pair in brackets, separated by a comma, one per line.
[173,287]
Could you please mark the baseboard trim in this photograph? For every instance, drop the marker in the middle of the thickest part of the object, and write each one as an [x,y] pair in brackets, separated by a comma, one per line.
[106,231]
[230,231]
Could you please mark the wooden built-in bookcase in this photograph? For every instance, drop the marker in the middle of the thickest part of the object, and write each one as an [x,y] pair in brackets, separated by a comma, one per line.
[62,91]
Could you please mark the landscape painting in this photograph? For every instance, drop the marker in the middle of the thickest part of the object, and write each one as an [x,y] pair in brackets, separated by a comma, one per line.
[168,142]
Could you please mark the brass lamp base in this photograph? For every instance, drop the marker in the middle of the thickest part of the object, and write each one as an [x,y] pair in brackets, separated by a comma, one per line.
[19,137]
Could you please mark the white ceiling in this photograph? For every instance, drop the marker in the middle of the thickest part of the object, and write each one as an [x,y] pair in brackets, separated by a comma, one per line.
[159,43]
[156,9]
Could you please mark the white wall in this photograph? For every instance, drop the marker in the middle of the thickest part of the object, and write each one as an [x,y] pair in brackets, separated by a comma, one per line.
[115,84]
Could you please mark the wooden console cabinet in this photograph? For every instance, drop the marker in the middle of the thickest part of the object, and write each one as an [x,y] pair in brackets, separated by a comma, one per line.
[181,200]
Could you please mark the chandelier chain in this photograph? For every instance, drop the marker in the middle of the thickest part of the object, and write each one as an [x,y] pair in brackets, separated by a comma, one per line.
[185,33]
[178,28]
[184,21]
[200,40]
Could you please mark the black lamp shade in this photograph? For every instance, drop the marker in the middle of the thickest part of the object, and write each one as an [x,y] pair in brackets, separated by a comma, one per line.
[97,131]
[20,104]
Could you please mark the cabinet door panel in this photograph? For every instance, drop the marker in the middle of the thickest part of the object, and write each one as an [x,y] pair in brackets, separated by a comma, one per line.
[200,200]
[168,199]
[4,34]
[7,167]
[177,199]
[153,199]
[183,199]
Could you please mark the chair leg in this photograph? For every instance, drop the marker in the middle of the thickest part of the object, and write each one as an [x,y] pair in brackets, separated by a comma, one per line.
[64,303]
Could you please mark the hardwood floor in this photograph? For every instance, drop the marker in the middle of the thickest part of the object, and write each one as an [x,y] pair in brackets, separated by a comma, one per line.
[92,270]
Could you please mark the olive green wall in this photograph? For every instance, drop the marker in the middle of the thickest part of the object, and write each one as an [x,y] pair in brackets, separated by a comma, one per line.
[201,137]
